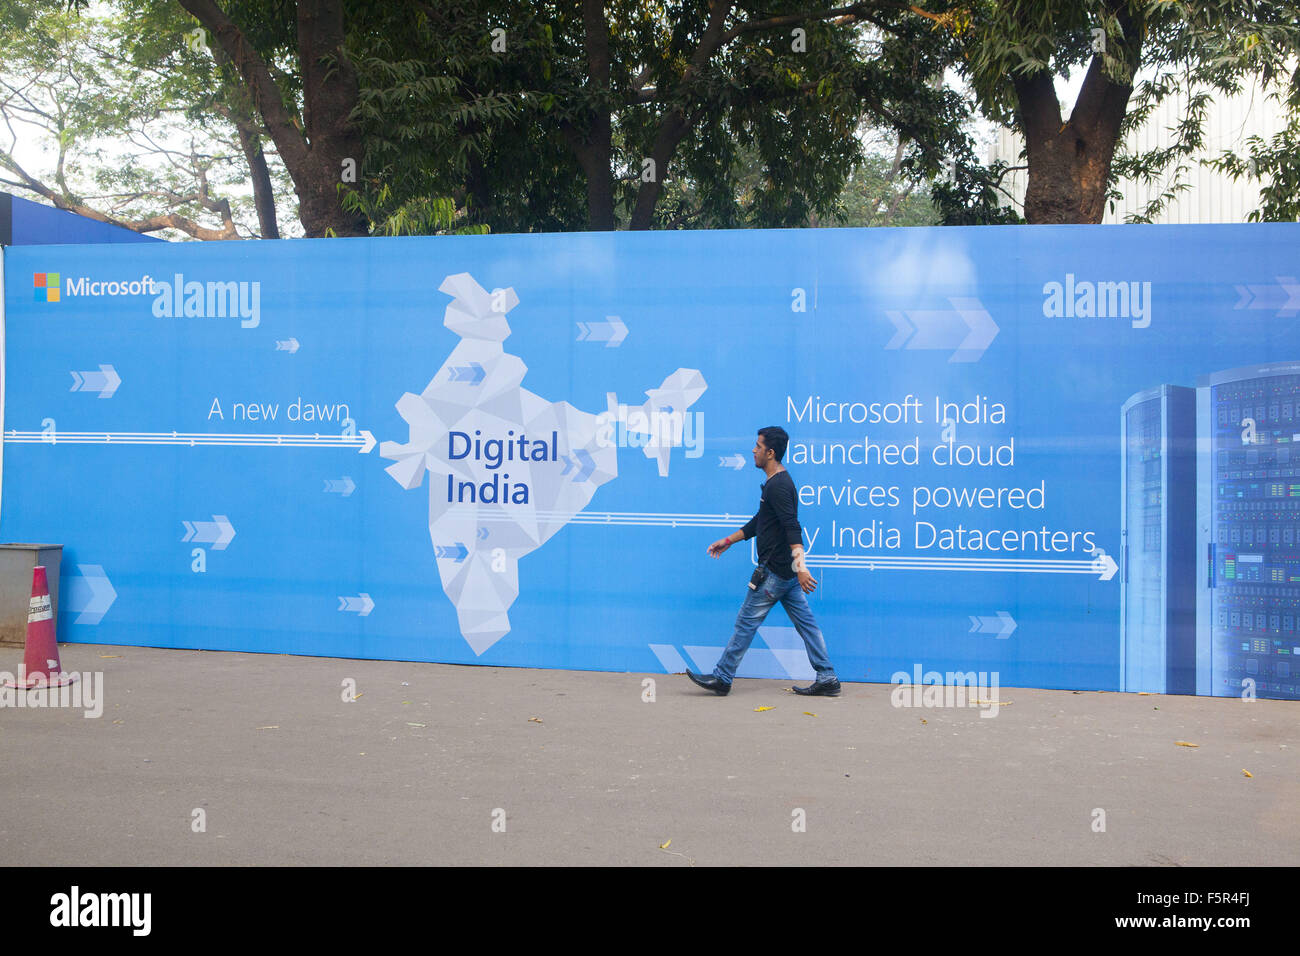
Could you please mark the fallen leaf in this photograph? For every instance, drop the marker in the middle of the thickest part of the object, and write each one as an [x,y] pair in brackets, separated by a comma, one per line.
[536,720]
[759,710]
[1247,772]
[118,721]
[105,657]
[360,695]
[924,721]
[410,724]
[1184,743]
[664,846]
[810,713]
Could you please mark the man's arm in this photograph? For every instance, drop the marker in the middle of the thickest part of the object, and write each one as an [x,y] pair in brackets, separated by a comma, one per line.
[806,580]
[783,504]
[744,534]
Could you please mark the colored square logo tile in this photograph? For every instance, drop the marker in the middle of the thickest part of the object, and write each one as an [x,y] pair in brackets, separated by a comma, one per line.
[46,286]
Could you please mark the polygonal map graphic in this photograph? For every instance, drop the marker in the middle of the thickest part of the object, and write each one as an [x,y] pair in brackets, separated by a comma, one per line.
[507,469]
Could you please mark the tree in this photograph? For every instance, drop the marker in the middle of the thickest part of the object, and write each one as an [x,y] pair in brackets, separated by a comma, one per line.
[159,42]
[319,141]
[362,102]
[1012,51]
[1274,162]
[587,115]
[415,116]
[881,193]
[125,149]
[1277,161]
[643,96]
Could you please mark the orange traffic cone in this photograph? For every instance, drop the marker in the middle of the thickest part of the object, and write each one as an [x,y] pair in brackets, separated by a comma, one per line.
[41,667]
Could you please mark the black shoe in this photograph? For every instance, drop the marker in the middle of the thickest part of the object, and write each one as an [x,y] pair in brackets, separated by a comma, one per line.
[719,687]
[829,688]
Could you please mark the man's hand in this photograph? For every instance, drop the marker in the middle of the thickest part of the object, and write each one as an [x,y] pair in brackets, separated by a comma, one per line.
[806,580]
[716,549]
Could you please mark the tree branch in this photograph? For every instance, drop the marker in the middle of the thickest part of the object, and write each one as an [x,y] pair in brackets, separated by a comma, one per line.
[267,97]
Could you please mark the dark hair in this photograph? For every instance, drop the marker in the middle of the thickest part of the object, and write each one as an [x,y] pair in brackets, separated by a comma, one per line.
[775,438]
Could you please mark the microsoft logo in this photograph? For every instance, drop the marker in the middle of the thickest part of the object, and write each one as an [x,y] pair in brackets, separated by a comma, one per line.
[46,286]
[192,299]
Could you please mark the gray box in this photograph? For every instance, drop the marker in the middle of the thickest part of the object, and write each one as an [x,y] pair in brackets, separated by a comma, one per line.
[16,564]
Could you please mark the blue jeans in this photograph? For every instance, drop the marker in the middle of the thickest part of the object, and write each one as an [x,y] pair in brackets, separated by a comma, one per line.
[757,603]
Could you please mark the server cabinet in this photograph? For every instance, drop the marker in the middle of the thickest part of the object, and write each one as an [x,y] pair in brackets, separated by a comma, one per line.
[1248,531]
[1157,534]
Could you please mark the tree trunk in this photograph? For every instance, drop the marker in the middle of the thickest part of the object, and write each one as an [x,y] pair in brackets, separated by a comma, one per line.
[597,156]
[675,123]
[1069,163]
[672,128]
[263,193]
[313,156]
[250,142]
[329,93]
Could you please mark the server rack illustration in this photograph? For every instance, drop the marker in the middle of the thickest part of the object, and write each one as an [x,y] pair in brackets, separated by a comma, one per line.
[1157,531]
[1248,531]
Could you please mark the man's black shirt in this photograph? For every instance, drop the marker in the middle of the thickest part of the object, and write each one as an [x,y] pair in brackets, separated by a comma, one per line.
[776,524]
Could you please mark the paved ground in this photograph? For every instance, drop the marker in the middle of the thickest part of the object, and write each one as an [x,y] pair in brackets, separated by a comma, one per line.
[411,772]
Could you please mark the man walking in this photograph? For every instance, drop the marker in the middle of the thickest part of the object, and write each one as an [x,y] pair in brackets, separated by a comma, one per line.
[781,574]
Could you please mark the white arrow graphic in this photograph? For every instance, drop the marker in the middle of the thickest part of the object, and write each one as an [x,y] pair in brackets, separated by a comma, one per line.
[105,381]
[967,329]
[484,513]
[1002,626]
[340,486]
[218,532]
[731,461]
[361,604]
[287,345]
[612,331]
[90,595]
[1103,566]
[1284,297]
[363,442]
[783,658]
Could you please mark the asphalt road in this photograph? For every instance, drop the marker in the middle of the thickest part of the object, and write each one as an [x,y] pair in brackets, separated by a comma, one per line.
[426,763]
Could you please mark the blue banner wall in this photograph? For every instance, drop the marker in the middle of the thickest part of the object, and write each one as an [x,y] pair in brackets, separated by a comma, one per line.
[27,223]
[1061,454]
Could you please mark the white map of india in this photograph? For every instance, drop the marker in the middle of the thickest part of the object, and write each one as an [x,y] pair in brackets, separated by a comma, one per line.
[507,468]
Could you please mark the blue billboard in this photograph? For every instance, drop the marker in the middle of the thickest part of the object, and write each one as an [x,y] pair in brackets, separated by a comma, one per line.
[27,223]
[514,450]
